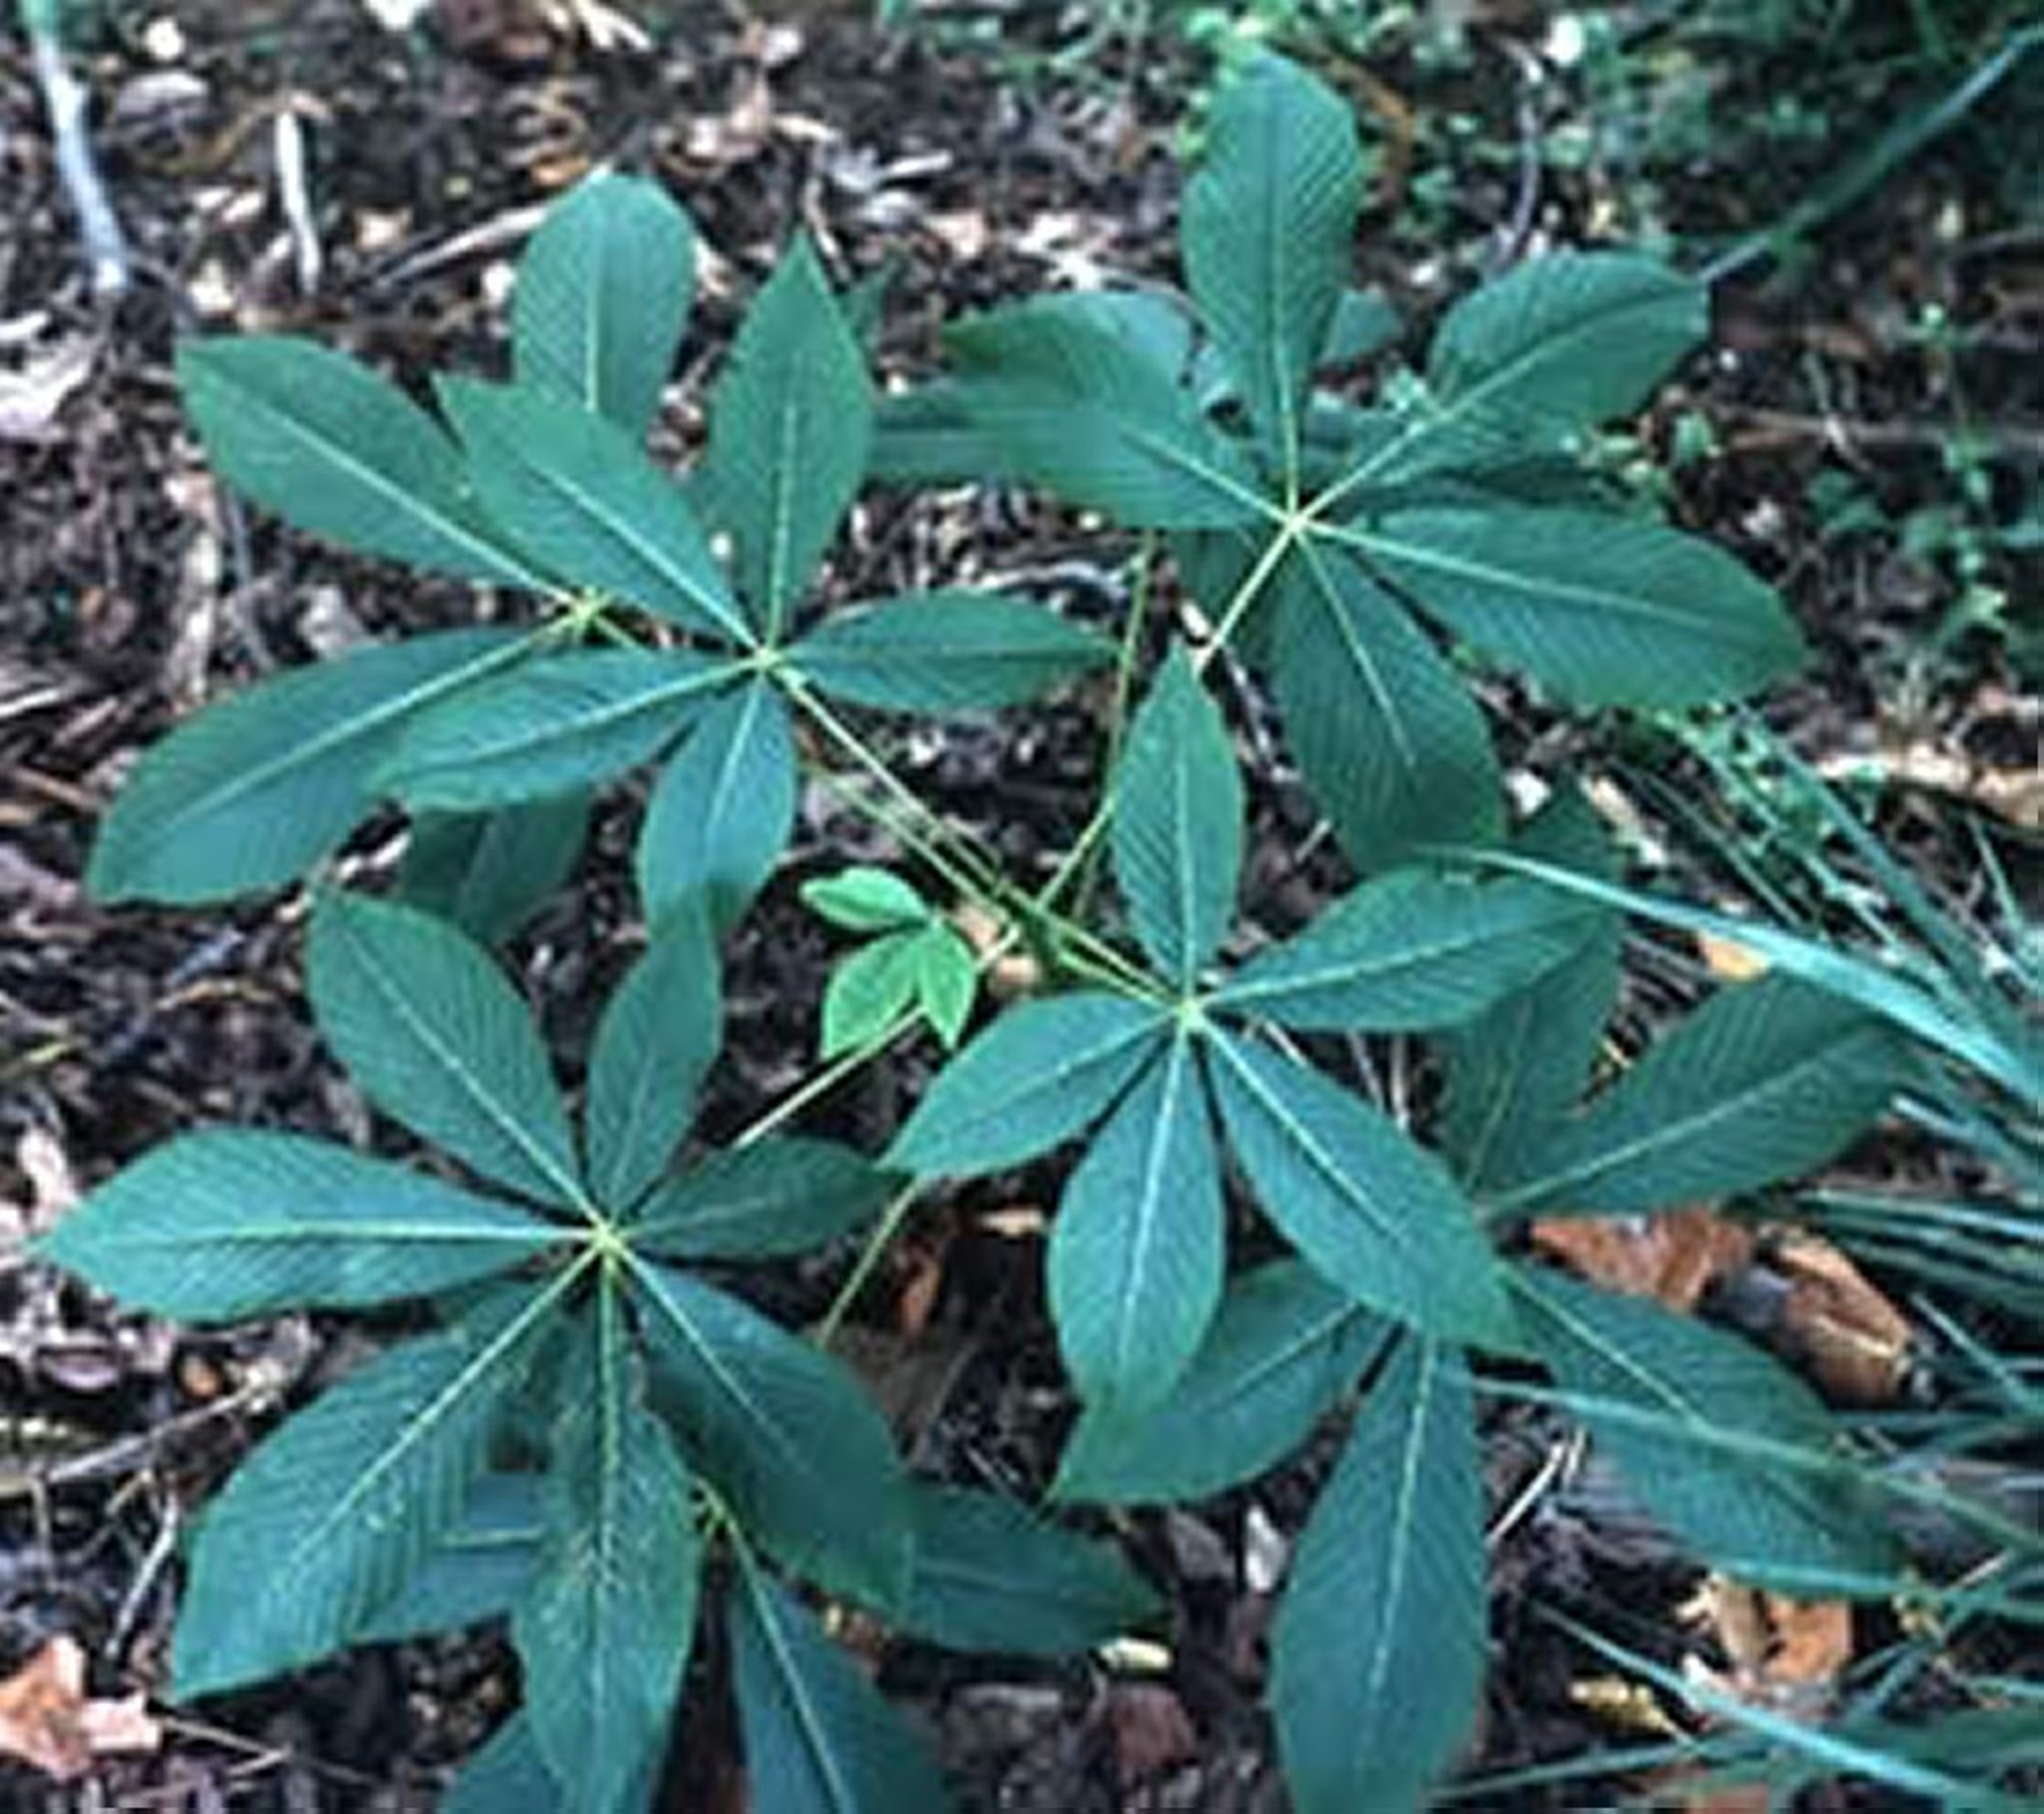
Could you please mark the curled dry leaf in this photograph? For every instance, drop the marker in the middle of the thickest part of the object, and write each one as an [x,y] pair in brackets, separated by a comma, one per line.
[1672,1257]
[1785,1655]
[48,1720]
[1853,1341]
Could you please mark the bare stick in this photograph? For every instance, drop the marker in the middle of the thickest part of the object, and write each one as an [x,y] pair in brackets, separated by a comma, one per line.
[106,248]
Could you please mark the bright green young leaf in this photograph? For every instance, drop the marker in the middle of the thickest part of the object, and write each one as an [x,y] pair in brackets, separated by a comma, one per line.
[1409,950]
[576,492]
[787,1194]
[1284,1348]
[1039,1075]
[1364,1206]
[489,872]
[605,1628]
[947,980]
[791,421]
[1267,229]
[658,1037]
[990,1578]
[782,1432]
[818,1738]
[1378,1658]
[249,792]
[1178,818]
[1606,610]
[438,1039]
[868,990]
[1395,751]
[477,1571]
[336,450]
[1139,1246]
[1725,1447]
[946,652]
[721,810]
[865,899]
[1764,1081]
[234,1222]
[506,1775]
[332,1514]
[1079,409]
[557,723]
[603,294]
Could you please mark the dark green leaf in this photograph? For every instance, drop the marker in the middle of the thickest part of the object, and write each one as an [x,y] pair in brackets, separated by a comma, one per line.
[505,1777]
[1178,816]
[489,872]
[1284,1346]
[336,450]
[253,790]
[1035,1077]
[438,1039]
[1379,1654]
[476,1571]
[232,1223]
[928,436]
[1365,321]
[576,492]
[1362,1204]
[603,294]
[865,899]
[946,652]
[787,1194]
[1138,1250]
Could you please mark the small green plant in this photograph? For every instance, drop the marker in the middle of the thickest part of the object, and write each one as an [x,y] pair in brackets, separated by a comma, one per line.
[590,1432]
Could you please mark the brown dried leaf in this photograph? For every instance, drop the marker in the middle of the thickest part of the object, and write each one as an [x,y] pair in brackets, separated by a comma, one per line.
[1786,1654]
[1728,960]
[1672,1257]
[1151,1730]
[1843,1330]
[48,1722]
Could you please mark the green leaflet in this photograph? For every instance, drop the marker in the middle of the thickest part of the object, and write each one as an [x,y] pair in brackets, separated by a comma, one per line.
[782,1432]
[659,1035]
[865,899]
[791,421]
[870,986]
[437,1038]
[818,1739]
[1728,1449]
[1369,1209]
[945,652]
[253,790]
[556,722]
[489,872]
[336,450]
[575,491]
[1138,1249]
[1034,1079]
[1265,232]
[1178,814]
[605,1626]
[787,1194]
[475,1572]
[1379,1653]
[232,1223]
[603,294]
[722,809]
[1283,1347]
[332,1515]
[988,1576]
[1767,1081]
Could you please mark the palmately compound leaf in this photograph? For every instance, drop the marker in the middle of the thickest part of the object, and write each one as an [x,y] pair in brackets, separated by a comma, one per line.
[1378,1658]
[336,450]
[433,1032]
[1764,1081]
[787,1194]
[253,790]
[988,1576]
[489,872]
[1265,232]
[658,1035]
[1139,1247]
[1726,1448]
[1284,1348]
[818,1738]
[556,722]
[723,807]
[782,1434]
[603,295]
[791,422]
[1395,751]
[1603,608]
[332,1515]
[1178,818]
[575,491]
[865,899]
[234,1222]
[1409,950]
[946,652]
[1038,1075]
[1365,1207]
[477,1571]
[606,1625]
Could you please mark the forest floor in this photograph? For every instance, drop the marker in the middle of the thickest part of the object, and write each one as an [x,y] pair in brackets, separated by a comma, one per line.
[1867,431]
